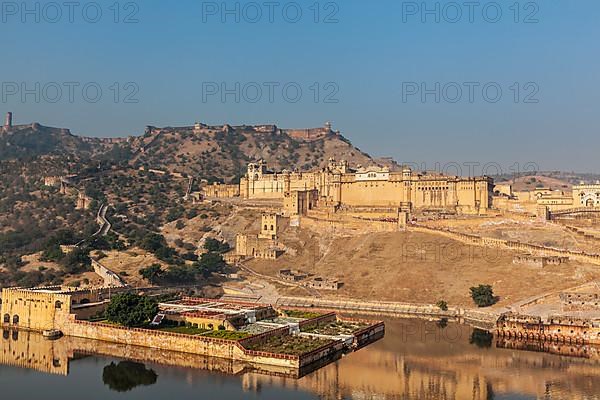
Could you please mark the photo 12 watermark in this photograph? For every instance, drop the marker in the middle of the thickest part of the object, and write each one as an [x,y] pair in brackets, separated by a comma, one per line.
[54,12]
[253,12]
[470,92]
[69,92]
[270,92]
[454,12]
[474,168]
[442,253]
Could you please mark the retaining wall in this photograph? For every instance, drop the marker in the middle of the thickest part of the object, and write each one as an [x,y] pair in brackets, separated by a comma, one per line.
[508,244]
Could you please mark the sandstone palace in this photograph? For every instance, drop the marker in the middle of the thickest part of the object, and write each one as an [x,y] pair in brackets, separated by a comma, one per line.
[340,187]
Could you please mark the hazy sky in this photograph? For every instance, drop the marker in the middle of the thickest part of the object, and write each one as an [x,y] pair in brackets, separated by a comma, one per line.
[416,81]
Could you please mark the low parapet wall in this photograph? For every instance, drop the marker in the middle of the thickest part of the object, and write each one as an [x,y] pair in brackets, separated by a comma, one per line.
[367,307]
[508,244]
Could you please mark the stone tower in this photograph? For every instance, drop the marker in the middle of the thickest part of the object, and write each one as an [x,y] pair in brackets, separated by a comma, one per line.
[269,226]
[8,120]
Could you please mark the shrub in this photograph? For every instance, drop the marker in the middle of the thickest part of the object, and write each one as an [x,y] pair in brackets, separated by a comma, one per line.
[442,304]
[483,295]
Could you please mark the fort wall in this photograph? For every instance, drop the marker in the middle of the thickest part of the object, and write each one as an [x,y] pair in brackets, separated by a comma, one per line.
[508,244]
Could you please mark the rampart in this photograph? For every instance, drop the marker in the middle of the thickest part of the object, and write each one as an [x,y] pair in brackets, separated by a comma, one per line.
[508,244]
[110,278]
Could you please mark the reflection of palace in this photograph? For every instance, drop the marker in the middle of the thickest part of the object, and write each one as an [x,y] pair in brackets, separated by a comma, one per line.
[431,364]
[414,361]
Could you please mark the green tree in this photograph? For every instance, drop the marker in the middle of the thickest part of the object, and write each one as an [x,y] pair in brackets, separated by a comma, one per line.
[130,309]
[152,273]
[209,263]
[483,295]
[77,261]
[216,246]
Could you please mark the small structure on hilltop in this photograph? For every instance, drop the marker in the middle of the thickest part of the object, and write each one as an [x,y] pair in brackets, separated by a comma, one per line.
[317,282]
[292,275]
[323,283]
[263,245]
[83,202]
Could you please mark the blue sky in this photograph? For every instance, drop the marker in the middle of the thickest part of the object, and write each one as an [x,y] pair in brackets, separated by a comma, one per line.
[362,65]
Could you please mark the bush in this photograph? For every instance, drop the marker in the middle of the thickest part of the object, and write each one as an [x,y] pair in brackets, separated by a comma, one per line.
[216,246]
[442,304]
[129,309]
[152,273]
[483,295]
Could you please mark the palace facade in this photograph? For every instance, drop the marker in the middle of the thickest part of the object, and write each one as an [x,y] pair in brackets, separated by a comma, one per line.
[339,186]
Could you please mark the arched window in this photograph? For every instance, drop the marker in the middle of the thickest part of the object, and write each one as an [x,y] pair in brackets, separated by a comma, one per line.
[6,319]
[272,227]
[265,228]
[16,320]
[58,305]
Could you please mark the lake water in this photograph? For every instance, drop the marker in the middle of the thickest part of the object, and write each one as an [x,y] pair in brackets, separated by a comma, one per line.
[417,360]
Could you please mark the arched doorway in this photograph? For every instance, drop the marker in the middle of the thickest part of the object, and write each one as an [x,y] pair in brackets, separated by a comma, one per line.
[589,203]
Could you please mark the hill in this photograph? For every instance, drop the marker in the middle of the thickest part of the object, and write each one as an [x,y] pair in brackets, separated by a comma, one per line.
[214,153]
[35,140]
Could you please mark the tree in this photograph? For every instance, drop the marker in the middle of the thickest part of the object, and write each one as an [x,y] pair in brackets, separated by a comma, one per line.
[130,309]
[180,274]
[152,273]
[216,246]
[483,295]
[209,263]
[77,261]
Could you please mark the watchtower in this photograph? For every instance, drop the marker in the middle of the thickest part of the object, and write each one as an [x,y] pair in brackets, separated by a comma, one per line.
[269,226]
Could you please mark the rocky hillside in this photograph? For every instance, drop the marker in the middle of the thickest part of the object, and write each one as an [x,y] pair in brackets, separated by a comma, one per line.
[214,153]
[34,140]
[224,152]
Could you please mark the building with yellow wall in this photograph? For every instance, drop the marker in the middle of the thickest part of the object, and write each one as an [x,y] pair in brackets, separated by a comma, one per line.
[339,186]
[586,195]
[40,308]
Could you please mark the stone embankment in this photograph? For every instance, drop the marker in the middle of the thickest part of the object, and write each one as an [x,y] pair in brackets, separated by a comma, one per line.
[478,318]
[476,240]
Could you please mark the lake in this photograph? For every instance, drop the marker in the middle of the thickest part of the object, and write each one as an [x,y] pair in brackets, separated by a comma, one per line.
[416,360]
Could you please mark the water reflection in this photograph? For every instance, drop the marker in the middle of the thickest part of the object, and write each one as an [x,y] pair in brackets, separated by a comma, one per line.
[127,375]
[416,360]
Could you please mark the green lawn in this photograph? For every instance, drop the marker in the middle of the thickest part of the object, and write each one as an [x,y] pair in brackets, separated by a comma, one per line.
[302,314]
[230,335]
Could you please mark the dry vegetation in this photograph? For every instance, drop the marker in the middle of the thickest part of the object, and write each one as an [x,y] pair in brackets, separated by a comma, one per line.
[419,268]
